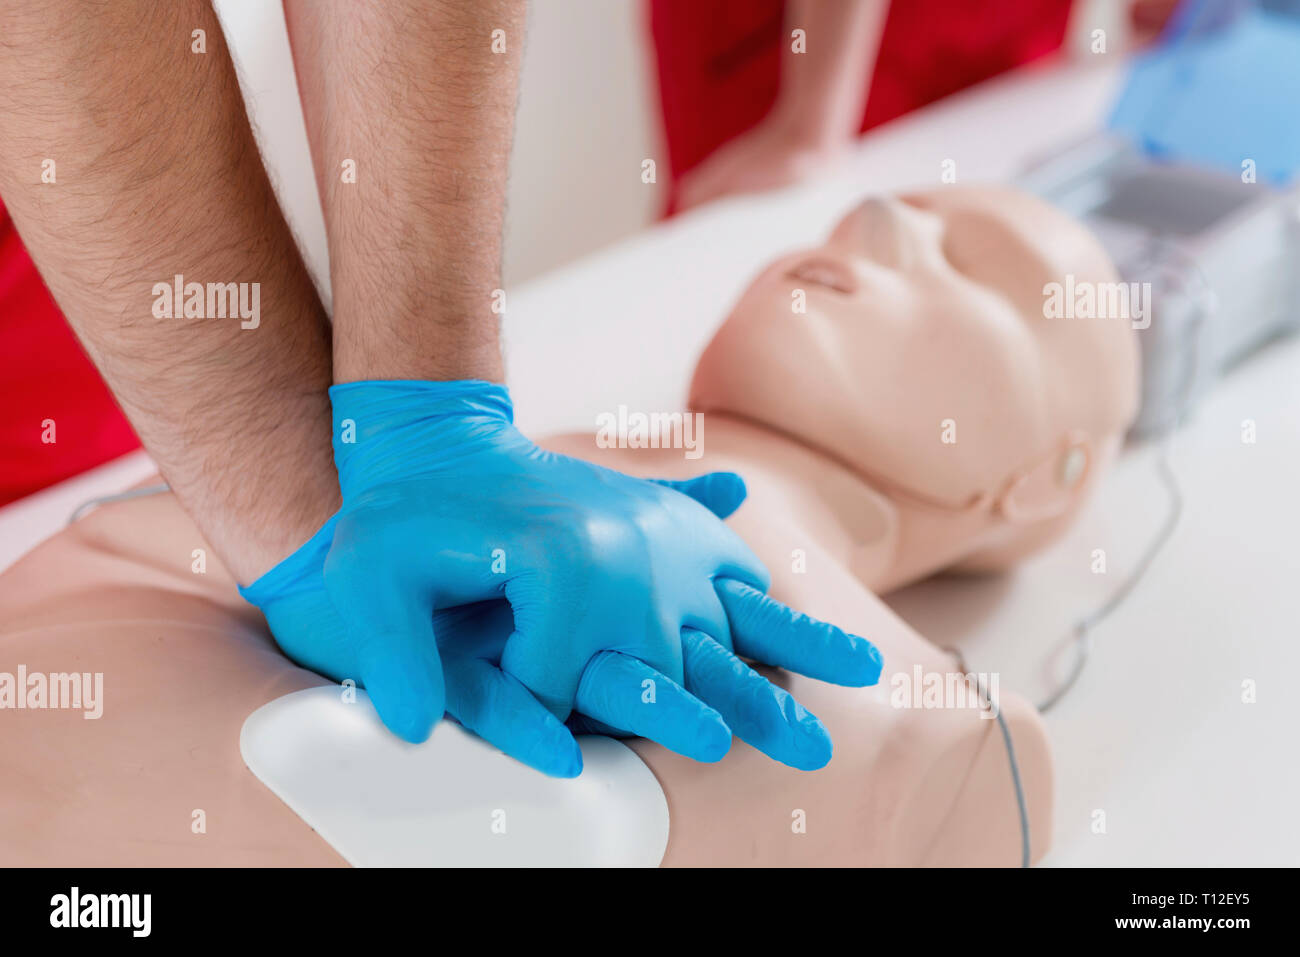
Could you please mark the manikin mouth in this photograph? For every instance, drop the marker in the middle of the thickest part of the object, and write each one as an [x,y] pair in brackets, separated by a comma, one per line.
[824,272]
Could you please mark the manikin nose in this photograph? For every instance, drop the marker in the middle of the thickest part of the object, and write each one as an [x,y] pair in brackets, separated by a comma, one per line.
[885,231]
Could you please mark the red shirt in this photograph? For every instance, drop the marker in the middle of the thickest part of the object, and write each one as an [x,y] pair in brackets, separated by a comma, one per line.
[45,376]
[719,60]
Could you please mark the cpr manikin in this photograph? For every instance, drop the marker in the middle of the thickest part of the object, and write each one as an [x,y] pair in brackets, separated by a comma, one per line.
[920,414]
[959,426]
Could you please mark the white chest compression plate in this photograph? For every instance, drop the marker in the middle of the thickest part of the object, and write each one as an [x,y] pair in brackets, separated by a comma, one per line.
[454,800]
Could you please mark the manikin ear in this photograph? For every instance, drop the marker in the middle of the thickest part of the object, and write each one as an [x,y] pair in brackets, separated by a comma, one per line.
[1050,488]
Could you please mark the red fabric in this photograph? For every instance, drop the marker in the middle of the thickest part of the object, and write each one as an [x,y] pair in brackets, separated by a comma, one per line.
[719,60]
[44,374]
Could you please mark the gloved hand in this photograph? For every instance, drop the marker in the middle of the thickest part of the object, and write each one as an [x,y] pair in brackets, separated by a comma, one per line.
[601,571]
[487,701]
[612,697]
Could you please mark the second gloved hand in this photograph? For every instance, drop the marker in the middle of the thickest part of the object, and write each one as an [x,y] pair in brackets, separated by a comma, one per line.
[445,503]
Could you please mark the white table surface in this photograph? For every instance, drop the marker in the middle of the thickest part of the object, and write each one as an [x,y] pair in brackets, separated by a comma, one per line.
[1155,734]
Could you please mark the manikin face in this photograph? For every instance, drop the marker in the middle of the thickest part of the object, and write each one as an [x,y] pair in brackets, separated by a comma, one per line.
[924,323]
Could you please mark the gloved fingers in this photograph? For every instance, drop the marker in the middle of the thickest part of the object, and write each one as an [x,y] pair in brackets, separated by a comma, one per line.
[625,693]
[760,713]
[581,724]
[391,632]
[766,630]
[707,615]
[458,563]
[403,675]
[549,651]
[720,492]
[477,630]
[735,559]
[539,656]
[500,710]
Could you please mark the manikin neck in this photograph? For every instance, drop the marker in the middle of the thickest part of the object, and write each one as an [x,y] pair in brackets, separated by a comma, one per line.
[893,537]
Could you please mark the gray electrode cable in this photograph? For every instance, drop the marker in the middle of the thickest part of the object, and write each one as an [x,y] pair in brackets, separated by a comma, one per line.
[1082,633]
[1022,808]
[1020,789]
[89,506]
[1082,640]
[1202,295]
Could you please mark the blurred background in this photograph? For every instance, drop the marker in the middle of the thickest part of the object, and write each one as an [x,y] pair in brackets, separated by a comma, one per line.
[588,117]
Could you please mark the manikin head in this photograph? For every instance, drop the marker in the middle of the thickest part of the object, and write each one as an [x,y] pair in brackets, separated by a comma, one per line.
[923,362]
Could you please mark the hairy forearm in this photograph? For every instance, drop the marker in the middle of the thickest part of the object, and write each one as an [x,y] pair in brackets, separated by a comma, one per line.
[824,90]
[410,113]
[156,175]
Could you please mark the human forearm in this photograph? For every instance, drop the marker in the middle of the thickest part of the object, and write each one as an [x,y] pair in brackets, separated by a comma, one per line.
[413,94]
[824,90]
[157,175]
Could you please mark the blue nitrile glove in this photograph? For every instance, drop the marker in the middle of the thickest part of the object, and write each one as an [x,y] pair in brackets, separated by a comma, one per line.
[574,549]
[495,706]
[613,687]
[483,698]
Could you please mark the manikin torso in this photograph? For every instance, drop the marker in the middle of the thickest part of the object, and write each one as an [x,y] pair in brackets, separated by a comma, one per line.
[849,493]
[186,661]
